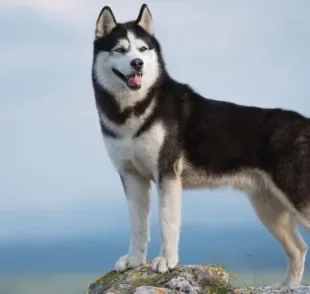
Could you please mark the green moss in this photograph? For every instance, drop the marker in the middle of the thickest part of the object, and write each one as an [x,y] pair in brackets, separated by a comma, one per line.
[168,276]
[214,287]
[156,280]
[148,281]
[107,278]
[217,288]
[144,276]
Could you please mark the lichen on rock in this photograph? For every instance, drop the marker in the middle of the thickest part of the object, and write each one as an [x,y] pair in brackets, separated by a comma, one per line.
[183,279]
[301,289]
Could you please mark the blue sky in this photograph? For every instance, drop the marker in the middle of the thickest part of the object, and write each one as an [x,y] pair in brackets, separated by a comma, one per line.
[55,178]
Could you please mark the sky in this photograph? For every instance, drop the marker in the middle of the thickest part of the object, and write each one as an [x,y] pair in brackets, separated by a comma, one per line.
[56,179]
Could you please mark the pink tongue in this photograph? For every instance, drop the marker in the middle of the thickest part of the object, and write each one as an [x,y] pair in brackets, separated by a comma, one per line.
[134,81]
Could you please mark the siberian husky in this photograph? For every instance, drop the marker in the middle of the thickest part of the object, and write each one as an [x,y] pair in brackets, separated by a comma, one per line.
[157,129]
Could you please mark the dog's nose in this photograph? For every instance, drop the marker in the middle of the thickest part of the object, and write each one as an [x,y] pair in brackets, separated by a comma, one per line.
[137,63]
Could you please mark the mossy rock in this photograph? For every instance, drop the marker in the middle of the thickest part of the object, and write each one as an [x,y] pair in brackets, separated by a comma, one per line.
[206,279]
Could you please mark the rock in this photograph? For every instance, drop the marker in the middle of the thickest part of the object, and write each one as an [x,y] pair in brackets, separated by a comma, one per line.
[184,279]
[150,290]
[302,289]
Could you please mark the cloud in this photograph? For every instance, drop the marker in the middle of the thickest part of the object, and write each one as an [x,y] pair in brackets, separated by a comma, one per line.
[62,9]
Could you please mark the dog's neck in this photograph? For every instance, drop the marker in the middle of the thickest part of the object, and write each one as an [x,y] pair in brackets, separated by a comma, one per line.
[119,104]
[119,123]
[119,108]
[123,97]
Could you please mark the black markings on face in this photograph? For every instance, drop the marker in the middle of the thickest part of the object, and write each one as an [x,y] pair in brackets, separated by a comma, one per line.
[108,42]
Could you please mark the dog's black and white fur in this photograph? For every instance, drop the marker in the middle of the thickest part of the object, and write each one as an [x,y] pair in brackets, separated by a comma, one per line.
[157,129]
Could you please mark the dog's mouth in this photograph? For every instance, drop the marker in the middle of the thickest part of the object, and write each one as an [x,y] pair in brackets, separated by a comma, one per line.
[133,80]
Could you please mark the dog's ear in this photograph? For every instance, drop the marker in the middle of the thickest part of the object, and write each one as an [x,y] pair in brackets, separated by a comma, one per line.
[145,20]
[105,23]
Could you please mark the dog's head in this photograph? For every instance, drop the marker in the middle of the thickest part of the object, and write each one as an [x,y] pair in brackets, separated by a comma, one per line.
[127,56]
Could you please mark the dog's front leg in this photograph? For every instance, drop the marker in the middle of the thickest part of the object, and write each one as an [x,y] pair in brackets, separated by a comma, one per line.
[137,190]
[170,199]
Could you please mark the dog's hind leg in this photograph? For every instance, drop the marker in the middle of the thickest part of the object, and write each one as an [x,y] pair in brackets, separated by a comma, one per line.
[282,225]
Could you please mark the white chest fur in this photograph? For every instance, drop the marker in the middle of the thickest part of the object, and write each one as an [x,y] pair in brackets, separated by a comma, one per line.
[141,153]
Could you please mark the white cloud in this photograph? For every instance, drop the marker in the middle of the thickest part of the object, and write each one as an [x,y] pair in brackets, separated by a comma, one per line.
[62,8]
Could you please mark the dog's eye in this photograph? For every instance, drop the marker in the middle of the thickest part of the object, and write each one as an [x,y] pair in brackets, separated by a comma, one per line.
[142,49]
[120,50]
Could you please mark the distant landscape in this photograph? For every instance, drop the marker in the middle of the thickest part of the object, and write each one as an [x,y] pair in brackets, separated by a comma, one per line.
[68,266]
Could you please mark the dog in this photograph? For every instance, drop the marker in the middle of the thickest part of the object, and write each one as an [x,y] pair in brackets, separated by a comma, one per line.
[159,130]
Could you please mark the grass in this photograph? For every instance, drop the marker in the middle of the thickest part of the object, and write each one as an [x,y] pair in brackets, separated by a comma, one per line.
[214,287]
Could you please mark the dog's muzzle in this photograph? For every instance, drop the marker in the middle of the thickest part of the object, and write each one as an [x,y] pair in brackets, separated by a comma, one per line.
[133,80]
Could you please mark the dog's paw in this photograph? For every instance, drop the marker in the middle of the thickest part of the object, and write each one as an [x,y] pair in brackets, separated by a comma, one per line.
[161,264]
[129,262]
[276,286]
[283,286]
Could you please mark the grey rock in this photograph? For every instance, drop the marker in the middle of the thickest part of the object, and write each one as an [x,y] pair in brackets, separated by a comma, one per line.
[184,279]
[182,284]
[302,289]
[150,290]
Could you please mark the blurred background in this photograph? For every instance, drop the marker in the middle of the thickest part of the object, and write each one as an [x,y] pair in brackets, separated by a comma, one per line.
[63,214]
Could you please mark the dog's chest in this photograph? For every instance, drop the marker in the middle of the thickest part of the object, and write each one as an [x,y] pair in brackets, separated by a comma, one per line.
[138,154]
